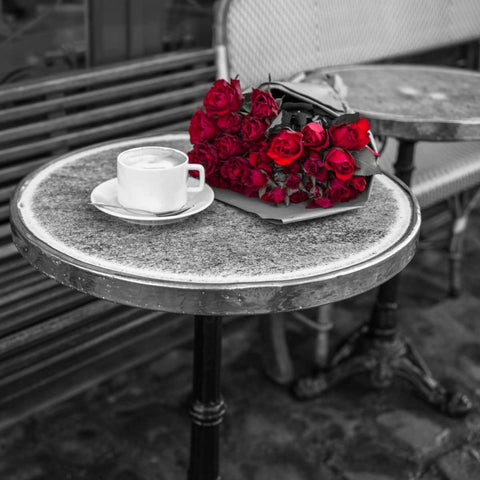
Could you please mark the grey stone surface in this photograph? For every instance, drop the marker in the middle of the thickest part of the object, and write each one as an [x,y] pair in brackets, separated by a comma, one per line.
[462,464]
[421,434]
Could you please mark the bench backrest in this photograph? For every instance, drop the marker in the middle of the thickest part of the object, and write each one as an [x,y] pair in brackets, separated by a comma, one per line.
[43,118]
[280,38]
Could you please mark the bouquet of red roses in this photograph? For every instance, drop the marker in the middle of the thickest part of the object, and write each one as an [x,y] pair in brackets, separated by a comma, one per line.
[280,150]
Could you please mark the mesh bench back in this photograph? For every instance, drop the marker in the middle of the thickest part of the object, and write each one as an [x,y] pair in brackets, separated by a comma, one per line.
[279,38]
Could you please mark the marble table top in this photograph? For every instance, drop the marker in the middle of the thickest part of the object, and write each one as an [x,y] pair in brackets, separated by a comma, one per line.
[411,102]
[220,261]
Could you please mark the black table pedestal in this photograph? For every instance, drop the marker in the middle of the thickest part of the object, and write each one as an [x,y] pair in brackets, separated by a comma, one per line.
[207,409]
[378,350]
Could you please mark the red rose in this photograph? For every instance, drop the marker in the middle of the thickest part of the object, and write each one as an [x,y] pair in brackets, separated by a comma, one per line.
[275,195]
[314,191]
[259,159]
[292,169]
[258,178]
[217,181]
[228,145]
[338,191]
[315,136]
[253,129]
[230,122]
[322,202]
[298,197]
[318,197]
[236,169]
[223,98]
[205,154]
[201,128]
[247,190]
[357,183]
[315,167]
[263,104]
[353,136]
[309,186]
[292,182]
[260,146]
[341,162]
[286,147]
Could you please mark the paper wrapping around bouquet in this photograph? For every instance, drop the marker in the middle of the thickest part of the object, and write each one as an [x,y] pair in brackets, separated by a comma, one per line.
[294,212]
[326,101]
[319,94]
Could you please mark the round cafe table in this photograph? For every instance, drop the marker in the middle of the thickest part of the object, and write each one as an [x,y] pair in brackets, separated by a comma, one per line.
[221,261]
[411,102]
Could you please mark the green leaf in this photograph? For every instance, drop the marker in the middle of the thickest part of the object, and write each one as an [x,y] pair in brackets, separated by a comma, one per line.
[245,108]
[367,162]
[276,124]
[318,119]
[280,177]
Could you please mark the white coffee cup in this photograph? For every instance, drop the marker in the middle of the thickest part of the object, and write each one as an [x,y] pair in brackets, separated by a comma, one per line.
[155,178]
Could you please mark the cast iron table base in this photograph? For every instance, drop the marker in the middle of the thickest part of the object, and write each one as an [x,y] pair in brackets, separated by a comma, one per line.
[380,352]
[377,348]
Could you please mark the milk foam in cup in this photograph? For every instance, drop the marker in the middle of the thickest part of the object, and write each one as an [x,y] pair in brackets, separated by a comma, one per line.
[153,161]
[156,178]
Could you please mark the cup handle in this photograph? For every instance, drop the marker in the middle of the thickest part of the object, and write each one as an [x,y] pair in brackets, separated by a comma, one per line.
[201,171]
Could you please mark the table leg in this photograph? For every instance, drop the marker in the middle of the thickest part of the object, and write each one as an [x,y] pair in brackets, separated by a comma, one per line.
[404,165]
[207,409]
[378,350]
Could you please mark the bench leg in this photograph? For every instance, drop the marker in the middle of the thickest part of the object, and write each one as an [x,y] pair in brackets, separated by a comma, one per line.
[207,409]
[322,341]
[276,359]
[459,226]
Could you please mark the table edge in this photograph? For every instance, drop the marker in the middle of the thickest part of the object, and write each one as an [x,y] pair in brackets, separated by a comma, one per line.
[214,298]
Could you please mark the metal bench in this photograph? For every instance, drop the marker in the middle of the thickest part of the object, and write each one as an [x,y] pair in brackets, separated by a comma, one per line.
[55,341]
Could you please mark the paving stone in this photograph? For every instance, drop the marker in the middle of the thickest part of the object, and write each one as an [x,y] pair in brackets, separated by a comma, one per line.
[365,476]
[420,433]
[469,360]
[282,471]
[125,475]
[431,474]
[257,427]
[27,472]
[463,464]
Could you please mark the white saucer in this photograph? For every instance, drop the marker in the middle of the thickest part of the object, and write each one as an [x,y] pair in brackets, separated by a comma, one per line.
[106,192]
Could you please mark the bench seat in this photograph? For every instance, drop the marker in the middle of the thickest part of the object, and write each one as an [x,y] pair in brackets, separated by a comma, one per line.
[442,169]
